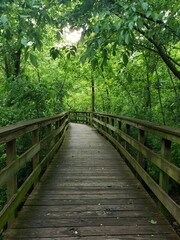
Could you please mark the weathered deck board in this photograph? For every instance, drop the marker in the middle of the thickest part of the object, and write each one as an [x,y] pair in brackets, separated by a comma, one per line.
[89,193]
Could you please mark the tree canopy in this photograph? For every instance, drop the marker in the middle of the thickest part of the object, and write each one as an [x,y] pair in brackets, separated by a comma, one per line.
[128,58]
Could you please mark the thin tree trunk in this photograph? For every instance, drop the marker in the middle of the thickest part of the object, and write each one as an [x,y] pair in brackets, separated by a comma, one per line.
[93,93]
[160,99]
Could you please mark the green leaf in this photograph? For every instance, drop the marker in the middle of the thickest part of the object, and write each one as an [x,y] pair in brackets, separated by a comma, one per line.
[134,9]
[73,53]
[127,38]
[148,14]
[155,16]
[117,25]
[83,58]
[24,16]
[96,28]
[114,49]
[33,59]
[54,53]
[94,64]
[4,19]
[145,6]
[24,42]
[129,78]
[68,55]
[120,38]
[125,59]
[58,36]
[131,25]
[140,23]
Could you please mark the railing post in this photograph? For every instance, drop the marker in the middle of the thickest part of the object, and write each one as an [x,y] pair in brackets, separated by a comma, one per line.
[107,121]
[141,139]
[86,118]
[91,118]
[103,120]
[128,132]
[163,177]
[35,140]
[112,124]
[57,126]
[12,182]
[48,132]
[101,126]
[119,127]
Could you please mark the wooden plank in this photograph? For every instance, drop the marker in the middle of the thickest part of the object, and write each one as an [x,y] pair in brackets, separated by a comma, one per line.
[80,222]
[90,202]
[90,231]
[107,237]
[38,201]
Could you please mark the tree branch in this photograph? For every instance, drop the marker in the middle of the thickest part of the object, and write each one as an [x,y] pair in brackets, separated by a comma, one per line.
[160,22]
[166,58]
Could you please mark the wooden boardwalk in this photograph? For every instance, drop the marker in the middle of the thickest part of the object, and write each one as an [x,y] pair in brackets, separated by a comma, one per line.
[89,193]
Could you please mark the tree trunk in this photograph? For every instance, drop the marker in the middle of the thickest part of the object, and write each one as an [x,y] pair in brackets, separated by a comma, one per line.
[160,99]
[93,93]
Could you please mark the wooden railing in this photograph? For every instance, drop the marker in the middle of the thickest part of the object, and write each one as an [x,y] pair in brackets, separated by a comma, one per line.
[80,117]
[46,136]
[130,137]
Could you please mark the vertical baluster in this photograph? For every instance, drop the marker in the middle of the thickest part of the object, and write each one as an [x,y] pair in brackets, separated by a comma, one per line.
[128,132]
[102,119]
[140,157]
[107,121]
[75,117]
[48,132]
[141,139]
[119,127]
[165,151]
[86,118]
[35,140]
[57,126]
[112,124]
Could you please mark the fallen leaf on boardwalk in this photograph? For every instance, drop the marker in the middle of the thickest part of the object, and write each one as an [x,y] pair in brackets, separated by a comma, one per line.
[153,222]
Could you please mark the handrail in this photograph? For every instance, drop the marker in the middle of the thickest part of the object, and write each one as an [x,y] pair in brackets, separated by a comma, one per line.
[128,135]
[47,135]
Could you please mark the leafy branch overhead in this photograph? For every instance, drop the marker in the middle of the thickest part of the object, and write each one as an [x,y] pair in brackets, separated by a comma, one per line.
[131,25]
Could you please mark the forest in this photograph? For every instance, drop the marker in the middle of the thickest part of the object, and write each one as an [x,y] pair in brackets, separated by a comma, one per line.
[56,54]
[111,56]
